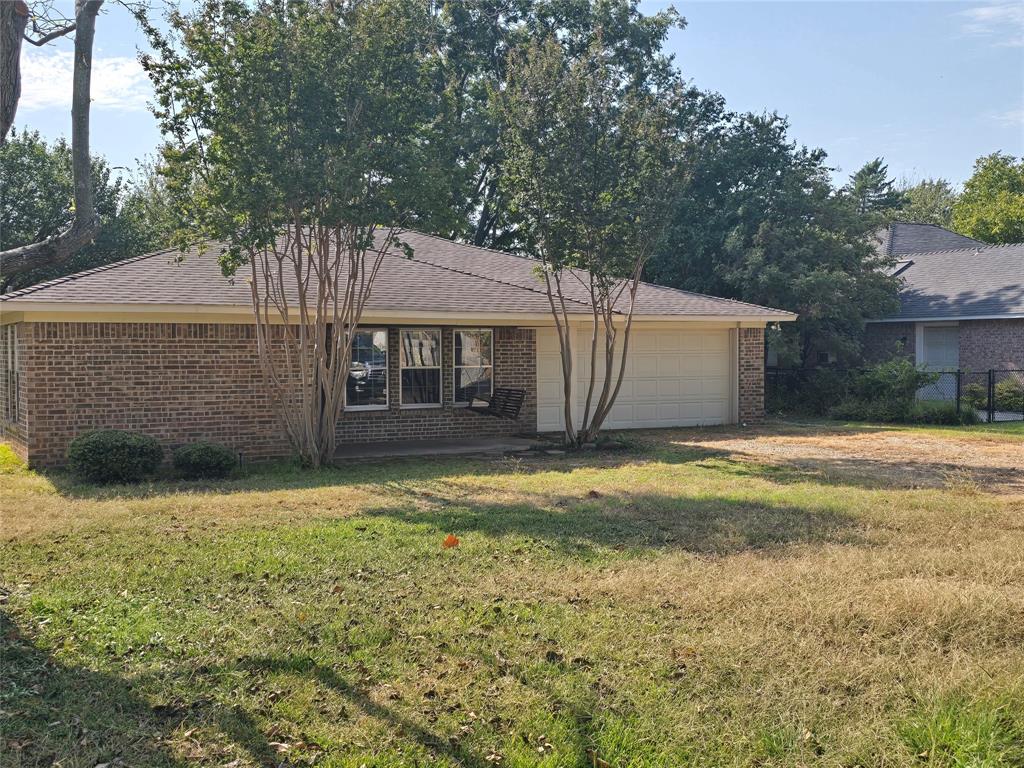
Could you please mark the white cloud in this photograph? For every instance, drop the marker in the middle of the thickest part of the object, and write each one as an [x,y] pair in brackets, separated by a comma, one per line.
[118,82]
[1011,117]
[1002,22]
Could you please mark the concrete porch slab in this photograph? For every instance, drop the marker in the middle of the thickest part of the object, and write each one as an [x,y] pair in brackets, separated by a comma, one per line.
[452,447]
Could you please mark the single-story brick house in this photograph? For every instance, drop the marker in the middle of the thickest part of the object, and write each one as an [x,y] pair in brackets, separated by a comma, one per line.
[961,302]
[166,345]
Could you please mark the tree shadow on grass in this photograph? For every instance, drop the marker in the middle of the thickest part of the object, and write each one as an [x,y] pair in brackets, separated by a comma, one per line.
[435,743]
[283,476]
[53,712]
[635,522]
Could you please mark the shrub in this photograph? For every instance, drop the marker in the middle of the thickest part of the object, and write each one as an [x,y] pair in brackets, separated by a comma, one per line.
[810,392]
[895,381]
[975,396]
[1010,395]
[887,392]
[114,456]
[204,460]
[942,413]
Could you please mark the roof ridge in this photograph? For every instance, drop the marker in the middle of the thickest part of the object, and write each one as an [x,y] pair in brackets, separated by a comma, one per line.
[84,273]
[527,258]
[976,248]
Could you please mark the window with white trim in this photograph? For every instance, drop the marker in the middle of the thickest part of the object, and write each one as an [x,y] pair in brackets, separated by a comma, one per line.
[473,361]
[420,366]
[367,384]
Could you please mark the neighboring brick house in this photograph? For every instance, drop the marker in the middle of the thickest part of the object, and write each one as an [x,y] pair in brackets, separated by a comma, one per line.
[961,302]
[166,345]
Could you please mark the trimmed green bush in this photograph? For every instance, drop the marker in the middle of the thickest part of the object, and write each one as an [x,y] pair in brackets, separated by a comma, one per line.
[1010,395]
[114,456]
[204,460]
[976,396]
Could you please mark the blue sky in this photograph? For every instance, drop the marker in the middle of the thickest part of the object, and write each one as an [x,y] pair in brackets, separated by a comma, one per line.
[930,86]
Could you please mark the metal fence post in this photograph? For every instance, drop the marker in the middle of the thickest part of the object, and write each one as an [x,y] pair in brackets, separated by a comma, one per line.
[991,395]
[959,388]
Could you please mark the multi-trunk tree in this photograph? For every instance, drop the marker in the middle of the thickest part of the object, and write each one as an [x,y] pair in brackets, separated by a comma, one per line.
[590,157]
[302,138]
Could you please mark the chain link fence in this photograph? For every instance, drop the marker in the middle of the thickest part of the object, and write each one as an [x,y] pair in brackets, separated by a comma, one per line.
[993,395]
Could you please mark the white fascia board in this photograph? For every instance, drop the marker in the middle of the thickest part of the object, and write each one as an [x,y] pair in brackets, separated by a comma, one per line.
[950,318]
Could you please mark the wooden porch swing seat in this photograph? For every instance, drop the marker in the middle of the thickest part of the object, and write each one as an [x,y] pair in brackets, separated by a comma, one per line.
[504,403]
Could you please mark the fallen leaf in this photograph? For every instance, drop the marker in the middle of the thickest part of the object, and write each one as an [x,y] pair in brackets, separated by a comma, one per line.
[451,540]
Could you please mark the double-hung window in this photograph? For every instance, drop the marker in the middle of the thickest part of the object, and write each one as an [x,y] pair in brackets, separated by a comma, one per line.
[474,364]
[420,366]
[367,385]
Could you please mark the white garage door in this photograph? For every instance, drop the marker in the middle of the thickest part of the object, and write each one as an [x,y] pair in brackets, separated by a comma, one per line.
[673,378]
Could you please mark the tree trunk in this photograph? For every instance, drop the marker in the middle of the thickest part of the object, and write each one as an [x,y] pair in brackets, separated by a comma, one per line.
[13,20]
[85,227]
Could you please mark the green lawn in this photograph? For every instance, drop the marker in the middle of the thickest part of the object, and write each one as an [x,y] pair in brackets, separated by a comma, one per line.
[663,605]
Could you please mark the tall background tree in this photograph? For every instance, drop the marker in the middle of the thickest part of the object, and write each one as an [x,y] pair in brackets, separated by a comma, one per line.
[873,191]
[590,158]
[479,34]
[991,207]
[759,220]
[928,202]
[37,199]
[304,138]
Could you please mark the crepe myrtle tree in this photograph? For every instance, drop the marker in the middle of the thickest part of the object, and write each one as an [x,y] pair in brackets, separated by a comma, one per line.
[299,135]
[591,158]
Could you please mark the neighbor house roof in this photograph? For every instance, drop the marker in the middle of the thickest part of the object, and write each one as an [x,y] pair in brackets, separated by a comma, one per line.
[977,282]
[902,237]
[441,277]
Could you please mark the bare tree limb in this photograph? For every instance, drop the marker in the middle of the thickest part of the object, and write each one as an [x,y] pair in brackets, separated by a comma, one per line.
[50,36]
[86,225]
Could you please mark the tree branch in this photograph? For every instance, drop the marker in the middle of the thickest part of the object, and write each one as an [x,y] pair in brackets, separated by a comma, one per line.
[86,225]
[49,36]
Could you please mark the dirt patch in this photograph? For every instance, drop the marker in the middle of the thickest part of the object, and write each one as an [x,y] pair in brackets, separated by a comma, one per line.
[883,458]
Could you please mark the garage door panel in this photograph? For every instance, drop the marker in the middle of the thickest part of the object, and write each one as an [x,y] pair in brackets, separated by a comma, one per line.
[669,389]
[647,389]
[714,366]
[673,378]
[717,343]
[670,366]
[646,365]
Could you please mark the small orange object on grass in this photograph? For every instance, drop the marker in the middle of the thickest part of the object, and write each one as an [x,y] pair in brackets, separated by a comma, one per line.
[451,540]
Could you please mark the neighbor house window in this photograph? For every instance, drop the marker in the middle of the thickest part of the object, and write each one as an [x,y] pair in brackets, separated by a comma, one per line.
[367,385]
[420,366]
[474,364]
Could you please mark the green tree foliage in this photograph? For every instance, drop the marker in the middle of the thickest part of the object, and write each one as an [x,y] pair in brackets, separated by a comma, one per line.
[304,136]
[991,207]
[928,202]
[590,156]
[479,34]
[37,202]
[758,220]
[873,191]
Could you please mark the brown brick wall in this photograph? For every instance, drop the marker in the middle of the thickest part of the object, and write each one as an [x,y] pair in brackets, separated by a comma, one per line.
[986,344]
[13,421]
[514,361]
[185,382]
[751,375]
[883,341]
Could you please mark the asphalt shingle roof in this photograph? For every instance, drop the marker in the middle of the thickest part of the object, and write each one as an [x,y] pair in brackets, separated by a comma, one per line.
[442,276]
[902,237]
[983,281]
